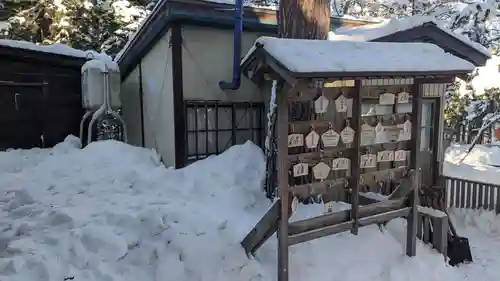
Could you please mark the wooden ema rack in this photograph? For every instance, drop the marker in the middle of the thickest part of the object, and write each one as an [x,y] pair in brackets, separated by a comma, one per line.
[331,145]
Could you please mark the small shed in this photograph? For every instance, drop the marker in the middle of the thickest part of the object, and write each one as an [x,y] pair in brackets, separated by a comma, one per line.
[40,94]
[347,126]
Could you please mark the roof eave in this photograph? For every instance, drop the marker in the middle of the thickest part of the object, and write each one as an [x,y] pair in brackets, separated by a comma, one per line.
[469,53]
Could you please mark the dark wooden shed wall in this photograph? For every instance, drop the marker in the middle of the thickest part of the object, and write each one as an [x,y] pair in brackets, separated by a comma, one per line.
[40,94]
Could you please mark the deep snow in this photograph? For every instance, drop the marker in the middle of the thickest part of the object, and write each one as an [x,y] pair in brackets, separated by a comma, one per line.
[482,164]
[112,212]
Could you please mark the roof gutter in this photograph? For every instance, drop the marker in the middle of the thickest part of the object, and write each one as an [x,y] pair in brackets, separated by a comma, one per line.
[238,30]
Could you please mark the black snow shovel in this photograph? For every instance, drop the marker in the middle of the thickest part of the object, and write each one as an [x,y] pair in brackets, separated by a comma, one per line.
[458,247]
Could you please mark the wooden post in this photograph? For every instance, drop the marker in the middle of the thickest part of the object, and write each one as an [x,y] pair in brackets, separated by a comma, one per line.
[413,218]
[283,189]
[440,234]
[355,168]
[416,120]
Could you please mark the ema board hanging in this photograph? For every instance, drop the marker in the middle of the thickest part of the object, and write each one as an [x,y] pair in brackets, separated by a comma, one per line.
[368,161]
[341,104]
[330,138]
[392,132]
[341,163]
[367,134]
[321,104]
[386,99]
[321,171]
[403,97]
[347,135]
[295,140]
[385,156]
[312,140]
[300,170]
[400,155]
[328,207]
[405,131]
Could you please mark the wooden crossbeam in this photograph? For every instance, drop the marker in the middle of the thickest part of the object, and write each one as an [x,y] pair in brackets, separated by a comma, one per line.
[263,230]
[345,226]
[343,216]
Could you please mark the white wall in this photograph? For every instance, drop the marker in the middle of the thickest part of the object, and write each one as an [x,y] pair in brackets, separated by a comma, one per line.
[158,100]
[129,96]
[207,58]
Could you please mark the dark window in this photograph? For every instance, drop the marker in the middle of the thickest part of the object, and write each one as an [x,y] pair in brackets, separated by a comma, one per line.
[427,126]
[213,127]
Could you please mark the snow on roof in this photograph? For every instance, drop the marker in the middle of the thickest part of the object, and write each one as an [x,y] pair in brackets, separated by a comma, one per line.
[57,48]
[488,76]
[309,56]
[374,31]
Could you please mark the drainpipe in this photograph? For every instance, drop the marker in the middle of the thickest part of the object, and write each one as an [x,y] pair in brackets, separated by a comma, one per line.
[238,30]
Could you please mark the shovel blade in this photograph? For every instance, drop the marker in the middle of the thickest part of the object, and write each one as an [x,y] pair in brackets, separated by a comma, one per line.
[459,250]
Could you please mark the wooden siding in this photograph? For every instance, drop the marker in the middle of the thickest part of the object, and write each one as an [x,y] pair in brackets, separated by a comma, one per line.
[41,98]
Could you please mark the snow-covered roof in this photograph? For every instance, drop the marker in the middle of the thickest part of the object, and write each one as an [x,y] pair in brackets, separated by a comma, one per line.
[379,30]
[487,77]
[323,56]
[57,48]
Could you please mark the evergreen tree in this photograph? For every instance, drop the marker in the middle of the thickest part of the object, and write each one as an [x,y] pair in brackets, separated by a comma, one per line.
[97,25]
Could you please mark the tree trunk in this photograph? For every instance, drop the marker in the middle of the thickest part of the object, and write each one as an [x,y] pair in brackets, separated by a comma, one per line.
[304,19]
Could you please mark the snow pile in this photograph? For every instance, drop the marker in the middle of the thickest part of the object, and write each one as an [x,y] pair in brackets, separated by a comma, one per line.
[483,221]
[113,212]
[379,30]
[481,165]
[310,56]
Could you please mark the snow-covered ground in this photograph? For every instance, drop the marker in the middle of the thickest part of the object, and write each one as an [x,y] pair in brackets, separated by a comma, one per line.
[481,165]
[112,212]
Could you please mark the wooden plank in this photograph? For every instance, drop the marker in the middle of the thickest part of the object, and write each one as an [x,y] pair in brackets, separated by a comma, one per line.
[451,202]
[463,186]
[420,226]
[474,196]
[492,197]
[480,200]
[404,188]
[412,224]
[304,191]
[497,208]
[440,234]
[260,233]
[416,121]
[457,193]
[345,226]
[283,190]
[355,168]
[468,196]
[486,199]
[343,216]
[426,229]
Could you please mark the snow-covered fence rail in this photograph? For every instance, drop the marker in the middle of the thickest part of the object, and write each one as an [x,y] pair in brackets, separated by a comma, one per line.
[469,194]
[432,228]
